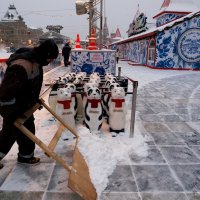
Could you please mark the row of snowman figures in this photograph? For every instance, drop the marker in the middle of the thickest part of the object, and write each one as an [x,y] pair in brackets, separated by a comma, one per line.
[99,99]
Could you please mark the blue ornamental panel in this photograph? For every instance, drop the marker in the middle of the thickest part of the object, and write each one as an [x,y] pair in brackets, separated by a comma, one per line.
[179,46]
[166,18]
[135,51]
[189,45]
[90,61]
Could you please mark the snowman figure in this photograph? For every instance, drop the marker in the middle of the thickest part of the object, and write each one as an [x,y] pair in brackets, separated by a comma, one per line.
[64,107]
[117,110]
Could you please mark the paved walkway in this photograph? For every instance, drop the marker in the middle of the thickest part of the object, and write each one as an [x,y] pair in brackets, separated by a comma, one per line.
[168,114]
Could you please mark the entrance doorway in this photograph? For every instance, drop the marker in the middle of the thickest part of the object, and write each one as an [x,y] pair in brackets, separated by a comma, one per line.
[151,53]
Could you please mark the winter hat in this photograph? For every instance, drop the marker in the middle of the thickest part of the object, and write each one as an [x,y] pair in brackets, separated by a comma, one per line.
[46,50]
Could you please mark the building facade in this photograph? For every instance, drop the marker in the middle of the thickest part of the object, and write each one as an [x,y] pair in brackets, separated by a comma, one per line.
[14,31]
[173,44]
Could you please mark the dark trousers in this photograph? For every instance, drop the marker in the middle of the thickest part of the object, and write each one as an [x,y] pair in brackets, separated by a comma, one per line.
[117,59]
[66,60]
[9,134]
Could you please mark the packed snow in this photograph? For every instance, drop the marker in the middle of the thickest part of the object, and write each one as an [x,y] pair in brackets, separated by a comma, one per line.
[4,53]
[102,151]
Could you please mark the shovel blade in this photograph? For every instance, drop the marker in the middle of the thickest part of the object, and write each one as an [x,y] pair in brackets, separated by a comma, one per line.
[79,178]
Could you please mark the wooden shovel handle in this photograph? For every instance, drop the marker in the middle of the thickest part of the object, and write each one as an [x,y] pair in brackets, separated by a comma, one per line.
[43,146]
[56,137]
[59,118]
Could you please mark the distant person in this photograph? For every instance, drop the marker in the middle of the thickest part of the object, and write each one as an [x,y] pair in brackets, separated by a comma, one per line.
[12,49]
[117,56]
[19,91]
[66,53]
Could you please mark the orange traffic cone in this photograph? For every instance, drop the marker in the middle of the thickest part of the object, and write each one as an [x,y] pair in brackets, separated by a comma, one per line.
[78,45]
[92,41]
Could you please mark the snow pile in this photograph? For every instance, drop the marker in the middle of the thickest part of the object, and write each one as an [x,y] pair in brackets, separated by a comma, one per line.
[103,153]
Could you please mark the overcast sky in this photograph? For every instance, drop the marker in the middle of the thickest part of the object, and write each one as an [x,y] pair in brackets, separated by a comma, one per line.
[119,13]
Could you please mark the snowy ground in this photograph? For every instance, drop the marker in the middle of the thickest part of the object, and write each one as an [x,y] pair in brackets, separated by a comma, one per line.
[4,53]
[160,93]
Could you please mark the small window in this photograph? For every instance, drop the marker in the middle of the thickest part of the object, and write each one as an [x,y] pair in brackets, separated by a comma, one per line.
[151,52]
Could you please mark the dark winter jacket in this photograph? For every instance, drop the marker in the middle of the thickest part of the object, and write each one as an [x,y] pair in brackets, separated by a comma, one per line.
[22,83]
[66,50]
[23,79]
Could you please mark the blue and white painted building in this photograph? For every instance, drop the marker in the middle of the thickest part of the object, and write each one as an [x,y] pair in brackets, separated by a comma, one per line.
[173,44]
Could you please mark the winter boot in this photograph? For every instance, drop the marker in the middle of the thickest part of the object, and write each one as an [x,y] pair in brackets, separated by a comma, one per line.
[30,161]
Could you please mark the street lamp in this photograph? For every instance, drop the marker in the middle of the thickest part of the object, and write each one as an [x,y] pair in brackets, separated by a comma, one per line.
[88,7]
[81,7]
[29,42]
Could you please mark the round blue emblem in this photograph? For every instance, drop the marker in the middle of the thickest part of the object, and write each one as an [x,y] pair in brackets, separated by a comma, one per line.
[189,45]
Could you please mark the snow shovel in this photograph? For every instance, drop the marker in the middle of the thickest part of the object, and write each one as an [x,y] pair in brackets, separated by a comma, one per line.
[79,179]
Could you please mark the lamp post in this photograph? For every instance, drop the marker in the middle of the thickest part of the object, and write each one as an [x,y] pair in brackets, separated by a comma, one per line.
[101,24]
[91,15]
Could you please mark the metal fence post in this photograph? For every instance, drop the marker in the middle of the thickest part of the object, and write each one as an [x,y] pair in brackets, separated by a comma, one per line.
[119,72]
[133,108]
